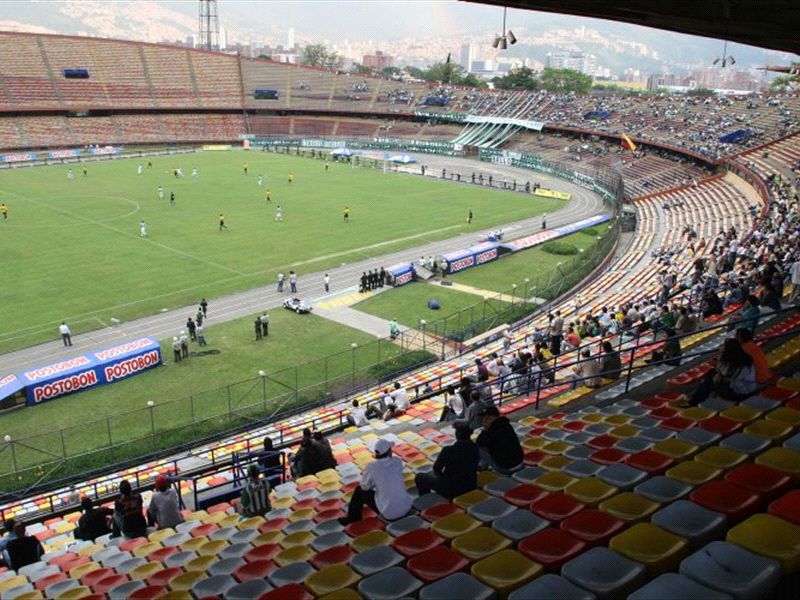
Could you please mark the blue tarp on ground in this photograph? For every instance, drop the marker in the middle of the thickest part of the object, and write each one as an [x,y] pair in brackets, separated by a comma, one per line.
[734,137]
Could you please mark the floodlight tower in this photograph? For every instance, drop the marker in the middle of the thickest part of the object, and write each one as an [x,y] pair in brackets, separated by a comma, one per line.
[209,25]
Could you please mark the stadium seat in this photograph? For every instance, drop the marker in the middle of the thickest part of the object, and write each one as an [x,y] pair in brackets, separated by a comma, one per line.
[394,582]
[556,507]
[772,537]
[457,585]
[248,590]
[551,548]
[735,502]
[290,591]
[519,524]
[454,525]
[693,473]
[605,573]
[662,489]
[215,586]
[590,491]
[479,543]
[436,563]
[490,509]
[550,586]
[594,527]
[295,572]
[331,579]
[697,524]
[652,546]
[730,569]
[375,560]
[505,571]
[673,585]
[766,482]
[629,507]
[787,507]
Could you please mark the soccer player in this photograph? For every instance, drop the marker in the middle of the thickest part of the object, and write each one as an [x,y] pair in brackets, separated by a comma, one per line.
[179,172]
[222,222]
[149,164]
[139,169]
[175,171]
[142,229]
[4,211]
[160,192]
[172,198]
[278,213]
[326,166]
[268,196]
[469,217]
[194,172]
[327,281]
[260,180]
[244,168]
[70,175]
[346,214]
[85,171]
[291,177]
[544,221]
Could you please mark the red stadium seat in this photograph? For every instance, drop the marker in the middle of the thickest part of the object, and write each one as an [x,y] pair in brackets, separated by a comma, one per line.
[787,507]
[551,548]
[436,563]
[416,541]
[733,501]
[594,527]
[556,507]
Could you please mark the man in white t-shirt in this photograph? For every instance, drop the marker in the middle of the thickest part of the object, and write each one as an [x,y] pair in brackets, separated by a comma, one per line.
[399,404]
[382,487]
[357,415]
[66,334]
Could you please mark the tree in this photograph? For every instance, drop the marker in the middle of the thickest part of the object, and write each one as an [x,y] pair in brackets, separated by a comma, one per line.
[390,71]
[521,78]
[706,92]
[785,83]
[317,55]
[361,69]
[562,81]
[266,56]
[415,72]
[445,72]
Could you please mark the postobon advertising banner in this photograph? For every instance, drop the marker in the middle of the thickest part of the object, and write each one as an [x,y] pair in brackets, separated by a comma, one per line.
[545,193]
[473,256]
[403,273]
[90,370]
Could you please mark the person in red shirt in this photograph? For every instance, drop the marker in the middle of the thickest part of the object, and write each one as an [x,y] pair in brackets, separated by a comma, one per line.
[763,372]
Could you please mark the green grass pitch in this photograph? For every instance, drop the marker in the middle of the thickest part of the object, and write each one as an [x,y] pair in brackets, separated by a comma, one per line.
[72,249]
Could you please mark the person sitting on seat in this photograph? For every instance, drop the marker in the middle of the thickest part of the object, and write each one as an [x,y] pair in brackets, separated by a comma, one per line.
[733,378]
[128,519]
[763,373]
[382,487]
[455,471]
[93,522]
[498,443]
[24,549]
[254,501]
[610,363]
[399,404]
[164,510]
[271,463]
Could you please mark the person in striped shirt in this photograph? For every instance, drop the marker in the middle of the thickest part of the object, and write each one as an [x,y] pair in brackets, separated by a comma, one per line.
[254,501]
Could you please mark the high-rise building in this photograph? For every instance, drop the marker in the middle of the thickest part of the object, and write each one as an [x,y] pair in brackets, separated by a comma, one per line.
[190,41]
[467,56]
[290,38]
[577,61]
[377,61]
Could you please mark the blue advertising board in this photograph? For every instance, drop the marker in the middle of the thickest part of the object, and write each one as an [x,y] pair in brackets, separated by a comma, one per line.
[458,260]
[402,273]
[90,370]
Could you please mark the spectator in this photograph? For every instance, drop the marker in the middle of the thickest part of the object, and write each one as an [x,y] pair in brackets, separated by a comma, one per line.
[454,408]
[164,510]
[324,451]
[306,459]
[768,297]
[587,372]
[128,519]
[23,550]
[711,304]
[254,501]
[270,462]
[382,487]
[357,416]
[10,535]
[455,471]
[399,404]
[760,364]
[499,446]
[734,377]
[751,313]
[610,362]
[685,322]
[93,522]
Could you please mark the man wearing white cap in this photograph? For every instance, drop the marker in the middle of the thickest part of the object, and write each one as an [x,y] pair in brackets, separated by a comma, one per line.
[382,487]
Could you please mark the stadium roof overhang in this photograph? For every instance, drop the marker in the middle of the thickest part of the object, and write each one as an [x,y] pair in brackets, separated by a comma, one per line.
[766,23]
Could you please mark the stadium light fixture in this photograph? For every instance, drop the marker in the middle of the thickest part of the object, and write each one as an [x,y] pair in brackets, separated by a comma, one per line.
[502,41]
[724,60]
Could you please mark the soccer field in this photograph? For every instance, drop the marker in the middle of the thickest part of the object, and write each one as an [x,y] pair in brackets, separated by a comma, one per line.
[72,250]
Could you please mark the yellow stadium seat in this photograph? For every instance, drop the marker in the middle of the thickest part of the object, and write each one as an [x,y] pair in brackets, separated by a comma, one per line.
[229,521]
[73,593]
[81,570]
[696,413]
[454,525]
[486,477]
[251,523]
[629,507]
[786,415]
[772,430]
[302,514]
[618,419]
[693,472]
[743,414]
[193,544]
[781,459]
[624,431]
[201,563]
[675,448]
[177,595]
[12,582]
[331,579]
[555,448]
[212,548]
[32,595]
[470,498]
[146,549]
[534,443]
[590,490]
[554,463]
[553,481]
[657,549]
[268,537]
[770,536]
[185,581]
[161,534]
[298,538]
[294,554]
[721,458]
[371,539]
[506,571]
[89,550]
[146,570]
[479,543]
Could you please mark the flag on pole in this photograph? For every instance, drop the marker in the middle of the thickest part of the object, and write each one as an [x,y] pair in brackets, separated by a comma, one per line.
[627,142]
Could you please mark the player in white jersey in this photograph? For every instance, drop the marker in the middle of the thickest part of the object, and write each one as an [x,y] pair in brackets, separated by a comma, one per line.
[194,172]
[278,213]
[160,192]
[142,229]
[70,174]
[260,180]
[139,169]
